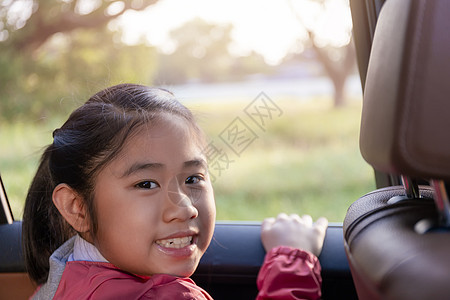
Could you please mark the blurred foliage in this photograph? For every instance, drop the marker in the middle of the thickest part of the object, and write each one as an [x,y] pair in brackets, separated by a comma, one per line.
[338,61]
[202,54]
[42,64]
[65,50]
[69,65]
[52,51]
[198,41]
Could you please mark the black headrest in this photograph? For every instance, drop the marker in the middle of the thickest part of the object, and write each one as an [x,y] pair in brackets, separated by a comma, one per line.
[405,127]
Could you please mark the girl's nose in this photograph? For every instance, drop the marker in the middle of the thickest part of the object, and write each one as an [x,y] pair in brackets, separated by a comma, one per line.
[178,206]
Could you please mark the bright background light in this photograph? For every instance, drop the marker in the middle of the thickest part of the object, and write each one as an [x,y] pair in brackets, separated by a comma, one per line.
[268,27]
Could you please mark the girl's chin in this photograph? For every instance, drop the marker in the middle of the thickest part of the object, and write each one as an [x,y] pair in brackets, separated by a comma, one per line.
[180,269]
[185,271]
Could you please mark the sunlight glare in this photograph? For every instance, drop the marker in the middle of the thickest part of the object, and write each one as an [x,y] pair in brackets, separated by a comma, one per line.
[268,27]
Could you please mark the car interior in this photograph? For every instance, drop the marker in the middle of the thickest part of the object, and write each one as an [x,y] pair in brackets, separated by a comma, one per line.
[393,241]
[397,238]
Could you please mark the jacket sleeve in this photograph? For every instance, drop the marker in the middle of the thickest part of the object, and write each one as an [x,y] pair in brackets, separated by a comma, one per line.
[289,273]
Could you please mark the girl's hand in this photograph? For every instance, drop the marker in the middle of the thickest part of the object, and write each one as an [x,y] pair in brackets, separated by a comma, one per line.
[294,231]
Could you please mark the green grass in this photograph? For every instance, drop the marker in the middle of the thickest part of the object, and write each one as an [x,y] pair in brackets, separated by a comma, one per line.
[305,161]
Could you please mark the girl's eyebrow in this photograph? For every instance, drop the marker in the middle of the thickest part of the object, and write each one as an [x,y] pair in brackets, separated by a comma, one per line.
[195,163]
[138,166]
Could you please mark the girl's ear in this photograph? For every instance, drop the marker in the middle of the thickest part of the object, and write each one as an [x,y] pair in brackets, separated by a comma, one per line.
[71,206]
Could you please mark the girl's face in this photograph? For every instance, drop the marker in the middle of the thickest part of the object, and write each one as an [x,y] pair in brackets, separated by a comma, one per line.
[154,202]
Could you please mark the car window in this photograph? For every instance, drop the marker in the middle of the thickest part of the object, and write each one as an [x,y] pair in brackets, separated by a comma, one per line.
[273,84]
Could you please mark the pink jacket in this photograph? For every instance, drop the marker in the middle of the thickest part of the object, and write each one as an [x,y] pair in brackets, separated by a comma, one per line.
[287,273]
[99,280]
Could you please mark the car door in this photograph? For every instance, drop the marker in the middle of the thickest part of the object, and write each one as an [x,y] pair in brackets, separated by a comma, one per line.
[14,282]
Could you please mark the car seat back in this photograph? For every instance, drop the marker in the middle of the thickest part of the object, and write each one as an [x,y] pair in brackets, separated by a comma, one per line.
[397,238]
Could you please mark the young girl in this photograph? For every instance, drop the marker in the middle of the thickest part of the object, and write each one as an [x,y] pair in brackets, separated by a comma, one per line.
[122,207]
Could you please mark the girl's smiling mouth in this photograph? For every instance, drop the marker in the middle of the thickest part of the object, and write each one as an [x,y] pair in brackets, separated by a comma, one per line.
[176,243]
[181,244]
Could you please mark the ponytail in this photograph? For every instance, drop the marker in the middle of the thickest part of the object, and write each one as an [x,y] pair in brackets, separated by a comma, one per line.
[43,227]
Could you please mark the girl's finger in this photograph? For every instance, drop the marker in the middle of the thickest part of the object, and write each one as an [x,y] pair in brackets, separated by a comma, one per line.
[296,218]
[267,223]
[321,223]
[282,216]
[307,220]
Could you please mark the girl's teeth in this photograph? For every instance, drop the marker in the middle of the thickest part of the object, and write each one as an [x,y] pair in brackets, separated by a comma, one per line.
[175,242]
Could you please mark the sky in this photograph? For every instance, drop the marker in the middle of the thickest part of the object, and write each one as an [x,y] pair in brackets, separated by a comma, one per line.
[269,27]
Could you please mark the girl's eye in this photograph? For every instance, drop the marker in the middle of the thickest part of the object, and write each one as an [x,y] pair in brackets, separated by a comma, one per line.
[194,179]
[147,184]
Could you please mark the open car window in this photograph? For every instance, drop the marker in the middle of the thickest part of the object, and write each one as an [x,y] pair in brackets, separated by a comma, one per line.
[280,101]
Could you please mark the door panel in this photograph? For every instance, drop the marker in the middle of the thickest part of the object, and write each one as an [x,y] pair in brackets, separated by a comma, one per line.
[228,270]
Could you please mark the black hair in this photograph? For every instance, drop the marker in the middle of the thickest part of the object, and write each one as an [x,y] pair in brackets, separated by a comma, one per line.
[92,136]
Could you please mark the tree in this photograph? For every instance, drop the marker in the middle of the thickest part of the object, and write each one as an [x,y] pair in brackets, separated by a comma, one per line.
[202,53]
[29,29]
[59,51]
[338,61]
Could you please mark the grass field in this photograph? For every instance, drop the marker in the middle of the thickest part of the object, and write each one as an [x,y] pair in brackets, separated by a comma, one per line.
[304,159]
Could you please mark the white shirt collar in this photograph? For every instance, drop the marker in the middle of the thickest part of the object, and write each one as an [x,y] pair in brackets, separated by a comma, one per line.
[83,250]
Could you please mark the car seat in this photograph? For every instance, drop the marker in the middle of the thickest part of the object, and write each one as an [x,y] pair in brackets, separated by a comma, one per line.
[396,238]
